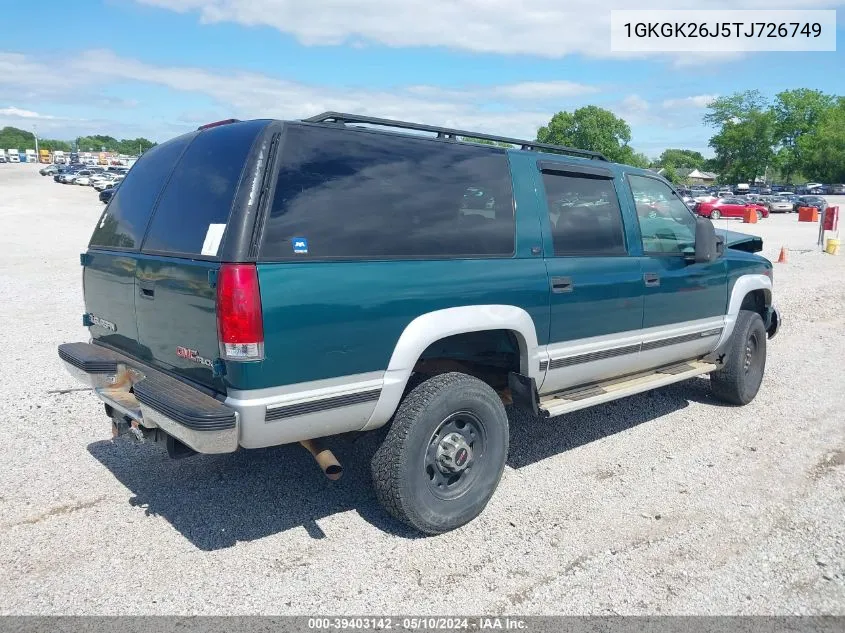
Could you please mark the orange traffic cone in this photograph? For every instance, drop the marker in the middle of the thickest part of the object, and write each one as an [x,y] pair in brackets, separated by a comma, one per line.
[783,258]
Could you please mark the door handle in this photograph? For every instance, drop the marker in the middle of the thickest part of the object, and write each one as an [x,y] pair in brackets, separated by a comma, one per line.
[146,289]
[561,284]
[652,280]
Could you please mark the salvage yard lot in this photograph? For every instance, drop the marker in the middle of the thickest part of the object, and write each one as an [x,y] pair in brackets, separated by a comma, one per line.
[666,502]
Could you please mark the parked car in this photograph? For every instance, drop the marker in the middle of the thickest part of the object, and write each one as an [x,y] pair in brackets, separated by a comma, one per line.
[732,207]
[809,201]
[107,183]
[688,200]
[778,204]
[49,170]
[69,178]
[106,194]
[454,289]
[65,171]
[837,190]
[104,176]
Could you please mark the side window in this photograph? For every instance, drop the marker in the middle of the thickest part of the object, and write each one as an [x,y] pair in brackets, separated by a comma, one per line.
[124,220]
[666,224]
[194,209]
[363,195]
[584,215]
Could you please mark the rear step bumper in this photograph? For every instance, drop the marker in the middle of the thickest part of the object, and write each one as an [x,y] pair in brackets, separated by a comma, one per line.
[153,398]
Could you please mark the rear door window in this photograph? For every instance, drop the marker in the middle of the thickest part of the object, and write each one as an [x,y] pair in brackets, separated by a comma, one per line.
[584,215]
[193,211]
[125,219]
[363,195]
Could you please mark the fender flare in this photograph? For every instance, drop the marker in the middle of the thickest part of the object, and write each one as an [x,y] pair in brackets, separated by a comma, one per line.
[433,326]
[744,284]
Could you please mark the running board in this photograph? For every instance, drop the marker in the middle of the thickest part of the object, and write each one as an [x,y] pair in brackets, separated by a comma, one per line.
[598,393]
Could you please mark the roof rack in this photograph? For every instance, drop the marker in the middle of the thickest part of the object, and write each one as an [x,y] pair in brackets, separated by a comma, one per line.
[449,133]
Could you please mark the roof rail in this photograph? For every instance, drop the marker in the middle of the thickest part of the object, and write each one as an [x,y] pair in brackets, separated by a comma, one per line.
[449,133]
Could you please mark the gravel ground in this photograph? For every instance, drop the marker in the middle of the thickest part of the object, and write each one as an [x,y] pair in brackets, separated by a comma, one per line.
[661,503]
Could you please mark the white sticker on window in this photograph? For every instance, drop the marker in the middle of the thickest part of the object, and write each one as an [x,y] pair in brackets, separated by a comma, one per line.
[212,239]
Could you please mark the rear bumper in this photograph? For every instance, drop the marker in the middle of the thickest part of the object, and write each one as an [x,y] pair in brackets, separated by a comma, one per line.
[154,399]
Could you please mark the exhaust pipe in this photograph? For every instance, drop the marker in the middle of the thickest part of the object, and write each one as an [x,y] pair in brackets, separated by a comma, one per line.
[325,459]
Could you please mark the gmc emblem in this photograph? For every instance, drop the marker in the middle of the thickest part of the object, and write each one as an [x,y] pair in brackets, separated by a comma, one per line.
[193,356]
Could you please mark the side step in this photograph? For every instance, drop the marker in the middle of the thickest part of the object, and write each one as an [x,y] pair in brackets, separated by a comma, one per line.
[589,395]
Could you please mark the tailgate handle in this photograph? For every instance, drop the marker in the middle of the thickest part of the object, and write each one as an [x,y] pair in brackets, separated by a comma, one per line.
[147,289]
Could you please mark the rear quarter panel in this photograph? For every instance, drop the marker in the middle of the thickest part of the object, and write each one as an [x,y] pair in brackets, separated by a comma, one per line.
[330,319]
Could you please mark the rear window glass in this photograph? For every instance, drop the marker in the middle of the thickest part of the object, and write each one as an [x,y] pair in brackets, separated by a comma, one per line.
[191,216]
[353,194]
[125,219]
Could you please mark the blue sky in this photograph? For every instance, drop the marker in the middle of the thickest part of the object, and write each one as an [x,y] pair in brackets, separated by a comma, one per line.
[157,68]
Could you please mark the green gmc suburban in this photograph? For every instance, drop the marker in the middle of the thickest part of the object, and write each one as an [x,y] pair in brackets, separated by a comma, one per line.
[257,283]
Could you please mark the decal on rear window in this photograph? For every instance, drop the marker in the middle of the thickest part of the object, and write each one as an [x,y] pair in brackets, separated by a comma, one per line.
[213,236]
[300,245]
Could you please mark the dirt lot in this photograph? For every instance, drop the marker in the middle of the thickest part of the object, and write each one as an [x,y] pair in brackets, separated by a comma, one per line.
[662,503]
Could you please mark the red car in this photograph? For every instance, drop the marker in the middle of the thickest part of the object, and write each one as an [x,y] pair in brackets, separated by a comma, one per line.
[729,208]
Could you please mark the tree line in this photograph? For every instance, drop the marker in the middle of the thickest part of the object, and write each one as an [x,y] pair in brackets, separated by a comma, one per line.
[12,137]
[799,135]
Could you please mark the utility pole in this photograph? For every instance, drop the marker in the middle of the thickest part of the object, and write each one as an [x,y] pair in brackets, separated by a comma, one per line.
[37,155]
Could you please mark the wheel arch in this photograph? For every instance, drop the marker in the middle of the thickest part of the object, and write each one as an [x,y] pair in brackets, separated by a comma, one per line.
[748,290]
[434,326]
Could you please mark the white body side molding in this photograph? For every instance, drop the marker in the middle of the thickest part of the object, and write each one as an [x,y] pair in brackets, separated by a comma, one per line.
[430,327]
[744,284]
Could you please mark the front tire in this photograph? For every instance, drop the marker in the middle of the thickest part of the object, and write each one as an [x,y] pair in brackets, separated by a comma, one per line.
[444,453]
[759,215]
[738,381]
[715,215]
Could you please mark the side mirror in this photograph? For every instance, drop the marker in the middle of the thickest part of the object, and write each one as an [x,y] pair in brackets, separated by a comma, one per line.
[707,245]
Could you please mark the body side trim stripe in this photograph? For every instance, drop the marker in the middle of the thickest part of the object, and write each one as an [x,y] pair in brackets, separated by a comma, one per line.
[695,336]
[568,361]
[314,406]
[706,330]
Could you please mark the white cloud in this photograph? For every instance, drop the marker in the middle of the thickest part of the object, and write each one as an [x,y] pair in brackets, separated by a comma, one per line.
[520,107]
[697,101]
[12,111]
[537,27]
[509,109]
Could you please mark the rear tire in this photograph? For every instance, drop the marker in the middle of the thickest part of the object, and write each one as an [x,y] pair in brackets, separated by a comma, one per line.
[444,453]
[759,215]
[745,361]
[715,215]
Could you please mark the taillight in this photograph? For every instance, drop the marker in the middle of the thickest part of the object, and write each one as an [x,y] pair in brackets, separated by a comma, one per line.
[240,326]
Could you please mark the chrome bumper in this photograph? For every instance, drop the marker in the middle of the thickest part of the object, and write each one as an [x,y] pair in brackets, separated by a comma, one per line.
[116,390]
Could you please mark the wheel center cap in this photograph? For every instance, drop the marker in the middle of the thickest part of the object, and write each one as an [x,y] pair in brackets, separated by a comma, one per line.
[453,453]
